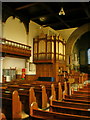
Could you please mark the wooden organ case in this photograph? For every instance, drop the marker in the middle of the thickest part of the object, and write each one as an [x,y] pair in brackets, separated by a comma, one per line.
[49,55]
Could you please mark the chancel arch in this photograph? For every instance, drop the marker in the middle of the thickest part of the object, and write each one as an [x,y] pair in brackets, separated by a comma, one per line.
[72,40]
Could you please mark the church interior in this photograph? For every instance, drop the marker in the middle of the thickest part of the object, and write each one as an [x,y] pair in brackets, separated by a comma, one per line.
[45,61]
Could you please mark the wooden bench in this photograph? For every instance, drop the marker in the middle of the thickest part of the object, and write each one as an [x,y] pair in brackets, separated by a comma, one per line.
[40,83]
[11,105]
[69,110]
[82,92]
[59,93]
[37,114]
[76,100]
[2,116]
[38,90]
[78,97]
[24,92]
[65,114]
[70,104]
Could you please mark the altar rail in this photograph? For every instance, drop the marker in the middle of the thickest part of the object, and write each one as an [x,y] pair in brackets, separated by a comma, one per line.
[15,48]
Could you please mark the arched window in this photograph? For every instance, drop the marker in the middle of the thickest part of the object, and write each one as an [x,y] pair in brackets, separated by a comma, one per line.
[88,52]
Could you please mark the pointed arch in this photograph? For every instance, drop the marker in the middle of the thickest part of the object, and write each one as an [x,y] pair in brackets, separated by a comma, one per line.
[74,37]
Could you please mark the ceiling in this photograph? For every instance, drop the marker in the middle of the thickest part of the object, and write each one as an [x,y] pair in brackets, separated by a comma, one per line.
[76,13]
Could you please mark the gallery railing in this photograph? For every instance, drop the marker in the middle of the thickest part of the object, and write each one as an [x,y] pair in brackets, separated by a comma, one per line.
[15,48]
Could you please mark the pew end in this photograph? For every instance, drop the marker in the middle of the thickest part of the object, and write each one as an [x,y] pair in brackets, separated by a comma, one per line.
[45,103]
[52,98]
[53,92]
[60,91]
[16,105]
[34,105]
[2,116]
[32,97]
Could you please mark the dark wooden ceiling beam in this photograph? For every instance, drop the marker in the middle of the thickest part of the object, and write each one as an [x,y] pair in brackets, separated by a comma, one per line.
[86,9]
[51,11]
[59,23]
[53,14]
[26,6]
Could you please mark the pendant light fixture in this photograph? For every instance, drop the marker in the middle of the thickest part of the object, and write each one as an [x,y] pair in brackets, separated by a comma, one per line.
[61,11]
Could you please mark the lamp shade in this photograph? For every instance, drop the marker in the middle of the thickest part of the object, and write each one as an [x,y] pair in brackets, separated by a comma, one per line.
[61,11]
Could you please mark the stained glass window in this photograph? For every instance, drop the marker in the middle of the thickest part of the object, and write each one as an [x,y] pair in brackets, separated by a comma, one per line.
[89,56]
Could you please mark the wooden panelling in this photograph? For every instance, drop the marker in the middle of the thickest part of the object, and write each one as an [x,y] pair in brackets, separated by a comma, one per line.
[48,49]
[28,77]
[45,70]
[15,48]
[49,70]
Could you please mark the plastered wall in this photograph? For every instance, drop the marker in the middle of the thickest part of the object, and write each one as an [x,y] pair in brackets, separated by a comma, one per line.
[14,30]
[65,33]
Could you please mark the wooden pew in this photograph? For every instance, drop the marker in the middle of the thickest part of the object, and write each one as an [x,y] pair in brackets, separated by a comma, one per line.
[60,91]
[2,116]
[24,93]
[42,97]
[81,95]
[82,92]
[37,114]
[24,97]
[53,91]
[76,100]
[57,93]
[69,107]
[11,105]
[38,91]
[41,83]
[87,98]
[70,110]
[70,104]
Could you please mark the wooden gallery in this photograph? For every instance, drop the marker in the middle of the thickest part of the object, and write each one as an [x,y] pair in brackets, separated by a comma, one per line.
[45,61]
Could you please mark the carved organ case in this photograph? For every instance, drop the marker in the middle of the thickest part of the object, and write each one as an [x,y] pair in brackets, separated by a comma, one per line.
[48,49]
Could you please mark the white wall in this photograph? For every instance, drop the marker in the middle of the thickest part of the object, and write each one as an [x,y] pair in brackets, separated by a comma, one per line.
[14,62]
[1,62]
[35,30]
[0,29]
[65,33]
[14,30]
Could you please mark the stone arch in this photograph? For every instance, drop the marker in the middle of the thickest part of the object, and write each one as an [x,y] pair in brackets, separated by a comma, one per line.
[74,37]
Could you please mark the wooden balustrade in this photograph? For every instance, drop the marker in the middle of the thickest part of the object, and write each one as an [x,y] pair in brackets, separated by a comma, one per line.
[15,48]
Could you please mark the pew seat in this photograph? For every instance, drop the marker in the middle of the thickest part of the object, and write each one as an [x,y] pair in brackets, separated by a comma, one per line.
[70,104]
[69,110]
[76,100]
[37,114]
[78,97]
